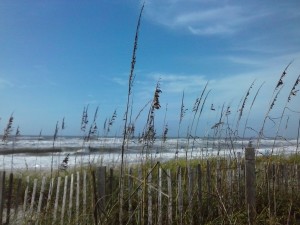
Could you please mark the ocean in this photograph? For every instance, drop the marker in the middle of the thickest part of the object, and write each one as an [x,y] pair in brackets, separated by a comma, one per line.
[33,152]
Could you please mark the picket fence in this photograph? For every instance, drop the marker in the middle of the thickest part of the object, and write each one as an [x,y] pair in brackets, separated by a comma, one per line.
[194,194]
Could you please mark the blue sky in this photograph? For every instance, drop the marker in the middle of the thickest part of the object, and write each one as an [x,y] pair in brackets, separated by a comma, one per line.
[57,57]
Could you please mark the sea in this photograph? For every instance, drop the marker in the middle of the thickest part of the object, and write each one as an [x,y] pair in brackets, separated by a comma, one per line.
[40,153]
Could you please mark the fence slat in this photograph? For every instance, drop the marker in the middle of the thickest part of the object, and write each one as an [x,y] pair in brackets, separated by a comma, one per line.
[149,197]
[63,207]
[169,180]
[26,194]
[33,195]
[180,196]
[111,183]
[159,201]
[50,193]
[40,200]
[84,193]
[77,195]
[130,185]
[71,197]
[41,195]
[208,183]
[56,200]
[190,193]
[298,177]
[140,198]
[199,176]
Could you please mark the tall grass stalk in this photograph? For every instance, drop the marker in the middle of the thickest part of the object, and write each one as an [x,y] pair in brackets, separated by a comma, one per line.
[5,137]
[53,144]
[276,90]
[130,85]
[248,115]
[298,136]
[181,116]
[37,148]
[17,134]
[8,129]
[165,130]
[241,110]
[149,133]
[291,94]
[199,114]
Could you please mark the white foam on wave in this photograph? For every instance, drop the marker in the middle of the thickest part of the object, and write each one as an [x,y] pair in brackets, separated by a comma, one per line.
[106,151]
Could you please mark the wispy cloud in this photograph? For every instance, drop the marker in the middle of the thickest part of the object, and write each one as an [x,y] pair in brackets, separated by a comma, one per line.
[220,20]
[5,83]
[219,17]
[120,81]
[229,88]
[176,83]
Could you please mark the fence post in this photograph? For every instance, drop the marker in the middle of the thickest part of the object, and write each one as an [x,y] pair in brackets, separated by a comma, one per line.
[10,188]
[250,182]
[101,183]
[2,186]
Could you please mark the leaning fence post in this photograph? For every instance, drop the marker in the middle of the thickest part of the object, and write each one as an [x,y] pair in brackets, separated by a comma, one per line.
[2,186]
[250,182]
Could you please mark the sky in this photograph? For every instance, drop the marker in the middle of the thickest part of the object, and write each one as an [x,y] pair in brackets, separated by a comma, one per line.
[57,57]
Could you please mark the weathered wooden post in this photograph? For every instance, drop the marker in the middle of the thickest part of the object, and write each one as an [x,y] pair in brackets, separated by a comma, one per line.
[250,183]
[2,186]
[10,185]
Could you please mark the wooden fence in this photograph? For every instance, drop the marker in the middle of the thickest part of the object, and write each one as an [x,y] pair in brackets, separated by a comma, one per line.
[213,191]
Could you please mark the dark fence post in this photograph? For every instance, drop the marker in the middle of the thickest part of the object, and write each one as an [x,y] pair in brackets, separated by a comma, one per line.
[250,183]
[101,183]
[10,187]
[2,187]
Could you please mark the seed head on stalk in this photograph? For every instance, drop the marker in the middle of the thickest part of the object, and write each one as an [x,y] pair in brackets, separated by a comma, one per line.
[126,118]
[8,129]
[293,92]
